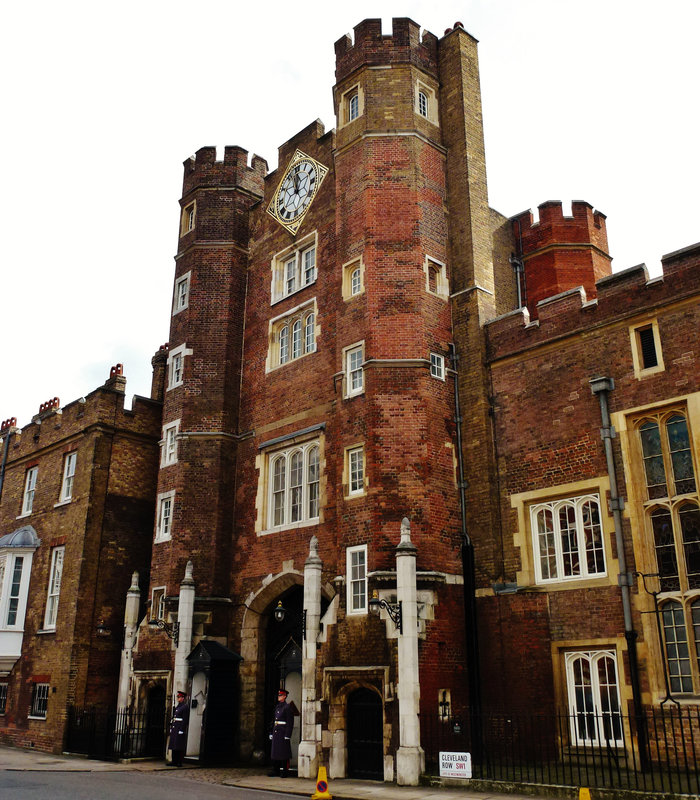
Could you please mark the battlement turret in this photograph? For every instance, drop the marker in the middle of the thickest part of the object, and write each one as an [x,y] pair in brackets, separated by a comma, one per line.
[202,169]
[371,48]
[561,252]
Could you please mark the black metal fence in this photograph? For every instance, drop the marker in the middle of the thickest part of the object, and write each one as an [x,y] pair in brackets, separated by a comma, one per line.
[114,734]
[660,752]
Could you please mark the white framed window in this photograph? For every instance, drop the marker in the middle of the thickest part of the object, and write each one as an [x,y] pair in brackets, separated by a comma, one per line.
[168,453]
[181,296]
[158,603]
[354,372]
[294,483]
[188,219]
[176,365]
[15,571]
[292,335]
[351,105]
[567,539]
[164,522]
[294,269]
[69,463]
[29,490]
[426,102]
[40,700]
[437,366]
[356,567]
[436,278]
[353,279]
[355,464]
[3,697]
[16,580]
[594,698]
[54,590]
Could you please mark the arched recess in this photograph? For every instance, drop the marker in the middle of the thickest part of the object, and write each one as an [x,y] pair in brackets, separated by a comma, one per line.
[340,683]
[259,607]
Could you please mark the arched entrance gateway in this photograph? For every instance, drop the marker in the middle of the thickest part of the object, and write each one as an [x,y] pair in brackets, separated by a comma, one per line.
[271,652]
[283,659]
[272,657]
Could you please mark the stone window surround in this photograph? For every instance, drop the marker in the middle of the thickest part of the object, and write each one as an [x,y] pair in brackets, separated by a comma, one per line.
[166,458]
[69,464]
[278,284]
[592,651]
[181,299]
[355,90]
[54,587]
[348,370]
[162,505]
[554,506]
[439,269]
[276,324]
[314,434]
[349,581]
[188,219]
[177,356]
[640,371]
[349,268]
[522,536]
[349,492]
[422,90]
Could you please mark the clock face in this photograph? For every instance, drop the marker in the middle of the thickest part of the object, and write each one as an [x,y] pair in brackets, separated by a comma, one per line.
[296,190]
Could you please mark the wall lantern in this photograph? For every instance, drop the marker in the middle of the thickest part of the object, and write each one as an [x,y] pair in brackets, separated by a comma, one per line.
[281,612]
[392,609]
[171,631]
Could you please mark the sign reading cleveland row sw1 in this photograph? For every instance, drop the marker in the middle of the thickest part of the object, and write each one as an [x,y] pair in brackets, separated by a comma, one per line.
[455,765]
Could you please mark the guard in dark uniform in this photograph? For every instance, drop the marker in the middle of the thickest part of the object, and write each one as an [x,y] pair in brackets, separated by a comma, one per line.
[281,735]
[178,729]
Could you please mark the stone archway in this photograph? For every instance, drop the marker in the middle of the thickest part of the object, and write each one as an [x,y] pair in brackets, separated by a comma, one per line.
[252,669]
[340,683]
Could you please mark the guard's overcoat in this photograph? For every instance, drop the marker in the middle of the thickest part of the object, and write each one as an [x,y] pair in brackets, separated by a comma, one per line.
[178,726]
[282,732]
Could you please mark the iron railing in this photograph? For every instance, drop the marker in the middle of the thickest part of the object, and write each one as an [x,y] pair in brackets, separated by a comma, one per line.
[114,734]
[589,749]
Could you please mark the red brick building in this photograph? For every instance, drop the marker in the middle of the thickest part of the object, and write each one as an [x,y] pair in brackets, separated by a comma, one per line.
[76,515]
[375,383]
[358,338]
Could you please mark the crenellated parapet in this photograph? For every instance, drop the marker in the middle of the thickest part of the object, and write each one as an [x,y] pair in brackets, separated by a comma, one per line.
[561,252]
[370,48]
[617,297]
[203,170]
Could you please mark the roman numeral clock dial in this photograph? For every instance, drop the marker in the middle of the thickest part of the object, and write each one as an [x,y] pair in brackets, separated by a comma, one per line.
[300,182]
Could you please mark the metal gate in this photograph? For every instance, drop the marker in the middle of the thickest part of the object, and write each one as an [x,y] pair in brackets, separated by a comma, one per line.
[365,735]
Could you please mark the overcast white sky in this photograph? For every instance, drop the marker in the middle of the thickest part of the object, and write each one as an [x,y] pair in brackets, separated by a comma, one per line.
[102,102]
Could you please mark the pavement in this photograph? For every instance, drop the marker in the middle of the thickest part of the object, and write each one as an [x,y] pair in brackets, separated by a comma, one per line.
[257,779]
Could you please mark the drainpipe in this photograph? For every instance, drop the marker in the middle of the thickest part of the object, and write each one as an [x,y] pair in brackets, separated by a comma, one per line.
[467,553]
[518,268]
[601,386]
